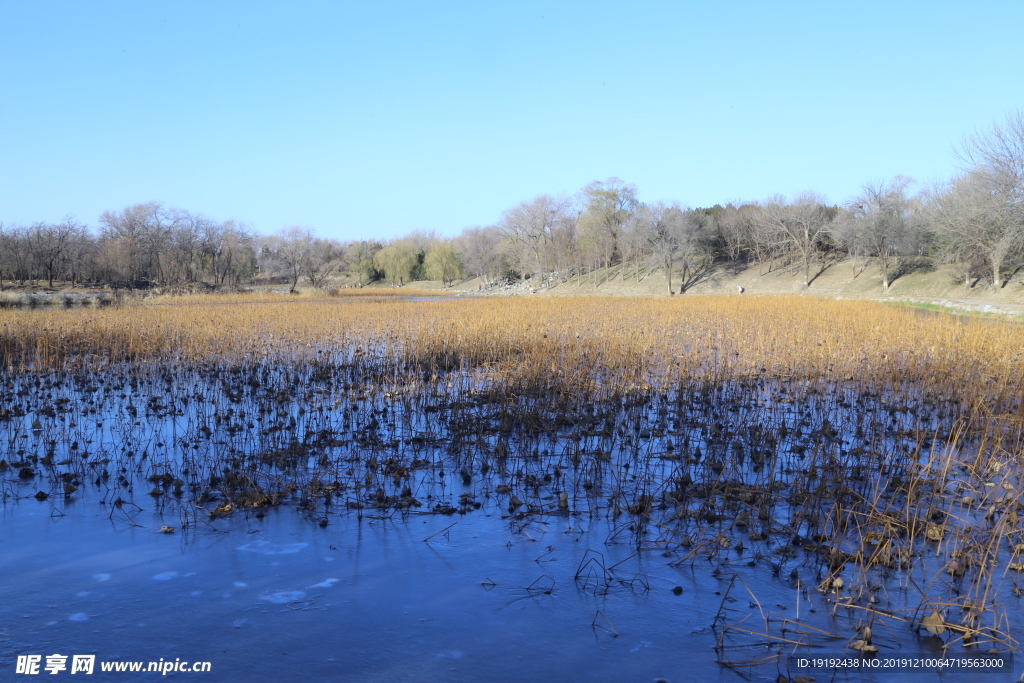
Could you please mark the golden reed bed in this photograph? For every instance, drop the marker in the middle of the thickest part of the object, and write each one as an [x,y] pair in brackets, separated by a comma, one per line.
[614,343]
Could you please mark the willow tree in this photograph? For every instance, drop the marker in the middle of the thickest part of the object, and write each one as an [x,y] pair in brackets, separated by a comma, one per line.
[397,261]
[442,263]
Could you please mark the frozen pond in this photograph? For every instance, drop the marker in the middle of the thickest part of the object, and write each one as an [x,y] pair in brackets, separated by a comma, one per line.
[368,600]
[279,597]
[283,522]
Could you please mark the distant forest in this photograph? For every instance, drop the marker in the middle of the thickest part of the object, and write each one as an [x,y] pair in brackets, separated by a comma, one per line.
[975,221]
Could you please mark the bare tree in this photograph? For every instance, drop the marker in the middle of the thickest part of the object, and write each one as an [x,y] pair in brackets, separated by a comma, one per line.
[481,252]
[997,157]
[190,244]
[50,245]
[81,257]
[323,260]
[138,239]
[975,224]
[736,232]
[529,229]
[665,226]
[233,254]
[801,226]
[607,208]
[13,253]
[286,252]
[992,192]
[879,224]
[635,243]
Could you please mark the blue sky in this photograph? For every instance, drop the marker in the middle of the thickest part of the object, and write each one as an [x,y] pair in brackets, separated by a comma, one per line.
[374,119]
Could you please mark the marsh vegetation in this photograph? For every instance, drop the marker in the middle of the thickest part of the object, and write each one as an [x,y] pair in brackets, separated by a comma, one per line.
[861,464]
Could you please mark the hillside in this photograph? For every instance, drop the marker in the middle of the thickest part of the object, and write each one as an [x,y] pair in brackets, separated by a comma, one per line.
[940,285]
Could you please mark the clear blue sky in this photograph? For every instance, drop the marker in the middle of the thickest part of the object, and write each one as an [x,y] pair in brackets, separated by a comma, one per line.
[372,119]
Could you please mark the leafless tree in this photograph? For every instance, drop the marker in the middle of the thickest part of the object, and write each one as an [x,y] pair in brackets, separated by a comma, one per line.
[138,238]
[665,226]
[285,252]
[50,245]
[880,224]
[232,254]
[481,252]
[13,253]
[606,209]
[974,224]
[801,226]
[528,229]
[323,260]
[992,193]
[190,240]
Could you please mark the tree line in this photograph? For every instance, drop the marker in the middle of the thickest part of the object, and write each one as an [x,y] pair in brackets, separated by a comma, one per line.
[974,221]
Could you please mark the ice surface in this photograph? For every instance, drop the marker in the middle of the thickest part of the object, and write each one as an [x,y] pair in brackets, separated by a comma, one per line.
[268,548]
[283,597]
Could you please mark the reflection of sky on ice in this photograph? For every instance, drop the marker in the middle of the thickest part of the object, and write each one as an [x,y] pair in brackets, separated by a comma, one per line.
[283,597]
[406,609]
[268,548]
